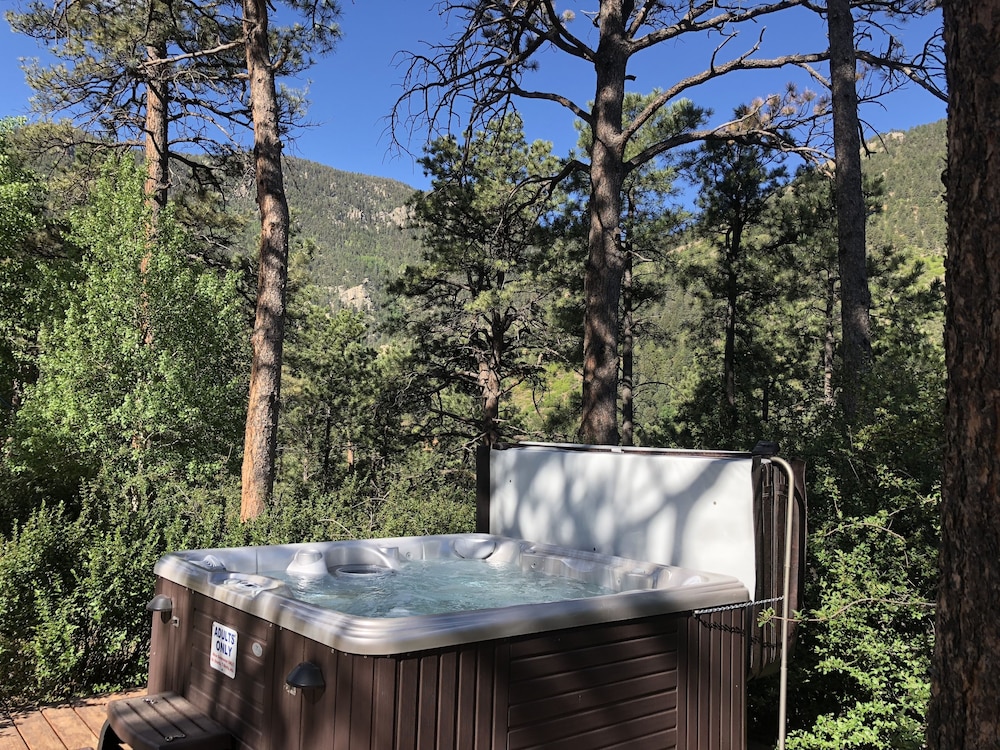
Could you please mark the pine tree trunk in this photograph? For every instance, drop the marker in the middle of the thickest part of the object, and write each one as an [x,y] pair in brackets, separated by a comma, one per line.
[855,300]
[156,73]
[156,157]
[261,438]
[965,687]
[606,259]
[733,250]
[489,381]
[156,147]
[628,349]
[829,339]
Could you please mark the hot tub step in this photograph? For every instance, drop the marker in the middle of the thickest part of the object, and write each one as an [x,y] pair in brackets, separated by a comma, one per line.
[165,721]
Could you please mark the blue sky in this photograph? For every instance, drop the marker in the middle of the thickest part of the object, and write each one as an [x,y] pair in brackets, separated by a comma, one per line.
[353,90]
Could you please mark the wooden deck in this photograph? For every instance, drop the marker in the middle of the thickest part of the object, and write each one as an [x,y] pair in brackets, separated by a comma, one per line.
[72,726]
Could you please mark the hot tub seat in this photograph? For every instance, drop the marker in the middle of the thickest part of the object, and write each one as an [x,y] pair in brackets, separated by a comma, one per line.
[165,721]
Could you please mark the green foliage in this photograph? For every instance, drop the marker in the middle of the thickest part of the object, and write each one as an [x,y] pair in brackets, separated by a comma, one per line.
[431,493]
[422,490]
[27,278]
[737,280]
[912,213]
[74,585]
[861,674]
[144,369]
[338,395]
[475,303]
[73,614]
[20,196]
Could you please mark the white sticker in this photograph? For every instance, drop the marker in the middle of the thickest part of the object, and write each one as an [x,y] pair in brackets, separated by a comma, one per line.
[223,653]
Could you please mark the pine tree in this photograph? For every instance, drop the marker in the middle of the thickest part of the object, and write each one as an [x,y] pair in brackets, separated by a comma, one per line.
[475,303]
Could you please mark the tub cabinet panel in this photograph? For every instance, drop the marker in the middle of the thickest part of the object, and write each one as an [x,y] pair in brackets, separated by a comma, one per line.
[670,681]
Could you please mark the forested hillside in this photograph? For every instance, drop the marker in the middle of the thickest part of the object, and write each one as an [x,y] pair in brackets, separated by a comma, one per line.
[358,223]
[911,211]
[356,226]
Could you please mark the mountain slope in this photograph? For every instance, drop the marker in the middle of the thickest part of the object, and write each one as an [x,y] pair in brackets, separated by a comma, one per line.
[356,224]
[910,164]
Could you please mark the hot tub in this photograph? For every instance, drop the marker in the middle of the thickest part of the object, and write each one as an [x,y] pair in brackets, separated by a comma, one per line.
[305,646]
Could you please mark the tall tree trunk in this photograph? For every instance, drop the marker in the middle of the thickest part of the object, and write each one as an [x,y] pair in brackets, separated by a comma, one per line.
[855,297]
[157,153]
[628,344]
[156,163]
[489,381]
[157,150]
[326,450]
[829,339]
[606,259]
[965,683]
[261,438]
[733,250]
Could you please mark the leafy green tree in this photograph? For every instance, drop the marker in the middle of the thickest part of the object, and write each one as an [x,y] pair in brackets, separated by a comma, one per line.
[475,303]
[25,276]
[861,674]
[108,401]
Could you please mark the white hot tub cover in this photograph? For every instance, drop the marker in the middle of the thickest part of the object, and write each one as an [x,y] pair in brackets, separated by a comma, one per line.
[685,508]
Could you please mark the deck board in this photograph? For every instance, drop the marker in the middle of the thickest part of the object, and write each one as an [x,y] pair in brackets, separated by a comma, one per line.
[70,728]
[93,715]
[36,732]
[10,738]
[73,726]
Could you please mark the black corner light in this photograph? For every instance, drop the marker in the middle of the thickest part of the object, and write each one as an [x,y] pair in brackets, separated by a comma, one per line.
[160,603]
[305,675]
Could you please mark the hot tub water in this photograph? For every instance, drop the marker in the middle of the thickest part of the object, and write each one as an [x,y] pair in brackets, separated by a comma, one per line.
[428,587]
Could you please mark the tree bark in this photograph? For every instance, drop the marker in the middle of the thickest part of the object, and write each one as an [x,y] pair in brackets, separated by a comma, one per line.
[490,380]
[829,339]
[628,349]
[157,151]
[855,297]
[965,684]
[734,248]
[261,438]
[606,258]
[156,126]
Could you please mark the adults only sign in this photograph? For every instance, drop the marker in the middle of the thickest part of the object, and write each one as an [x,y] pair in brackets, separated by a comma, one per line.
[223,651]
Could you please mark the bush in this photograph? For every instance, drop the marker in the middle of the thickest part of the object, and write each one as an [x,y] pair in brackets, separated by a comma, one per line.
[860,678]
[74,587]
